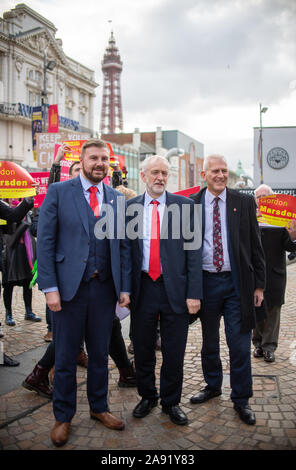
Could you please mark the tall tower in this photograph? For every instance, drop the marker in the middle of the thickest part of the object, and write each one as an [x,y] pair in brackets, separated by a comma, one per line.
[111,112]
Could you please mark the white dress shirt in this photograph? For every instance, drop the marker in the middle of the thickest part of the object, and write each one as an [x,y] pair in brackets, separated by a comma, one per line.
[147,218]
[207,252]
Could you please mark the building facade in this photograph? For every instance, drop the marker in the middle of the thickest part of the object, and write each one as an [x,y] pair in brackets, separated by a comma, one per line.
[32,60]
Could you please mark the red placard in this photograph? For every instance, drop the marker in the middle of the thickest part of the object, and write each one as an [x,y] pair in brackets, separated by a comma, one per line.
[40,177]
[15,181]
[187,192]
[277,209]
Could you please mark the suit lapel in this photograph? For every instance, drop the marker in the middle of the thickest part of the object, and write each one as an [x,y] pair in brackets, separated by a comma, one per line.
[80,202]
[233,204]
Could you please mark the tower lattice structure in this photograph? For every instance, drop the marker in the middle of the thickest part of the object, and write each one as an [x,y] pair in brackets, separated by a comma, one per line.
[111,112]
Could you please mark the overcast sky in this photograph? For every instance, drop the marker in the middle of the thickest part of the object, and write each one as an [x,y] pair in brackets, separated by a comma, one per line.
[199,66]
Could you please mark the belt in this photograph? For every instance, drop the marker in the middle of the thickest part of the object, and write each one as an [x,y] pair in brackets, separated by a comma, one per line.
[146,275]
[218,273]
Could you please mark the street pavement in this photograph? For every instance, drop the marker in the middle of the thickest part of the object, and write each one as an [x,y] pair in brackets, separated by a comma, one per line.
[26,419]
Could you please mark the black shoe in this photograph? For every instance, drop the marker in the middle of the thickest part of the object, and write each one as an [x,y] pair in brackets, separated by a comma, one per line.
[144,407]
[9,319]
[9,362]
[205,395]
[268,356]
[29,315]
[176,414]
[246,414]
[258,352]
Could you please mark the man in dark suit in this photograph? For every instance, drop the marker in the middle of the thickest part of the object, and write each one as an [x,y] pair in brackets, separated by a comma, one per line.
[82,276]
[233,283]
[275,241]
[166,284]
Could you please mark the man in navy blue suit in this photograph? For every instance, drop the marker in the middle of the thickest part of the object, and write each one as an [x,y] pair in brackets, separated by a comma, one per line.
[82,276]
[233,283]
[166,285]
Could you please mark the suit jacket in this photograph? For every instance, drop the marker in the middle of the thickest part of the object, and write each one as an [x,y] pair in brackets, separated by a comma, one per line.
[245,249]
[182,272]
[275,241]
[63,240]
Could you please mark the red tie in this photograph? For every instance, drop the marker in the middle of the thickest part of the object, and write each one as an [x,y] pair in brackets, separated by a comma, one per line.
[94,204]
[154,261]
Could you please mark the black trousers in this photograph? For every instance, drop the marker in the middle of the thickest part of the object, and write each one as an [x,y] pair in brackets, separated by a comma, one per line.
[154,303]
[117,349]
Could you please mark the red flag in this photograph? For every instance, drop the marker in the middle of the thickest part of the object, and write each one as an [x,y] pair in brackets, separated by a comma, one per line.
[53,118]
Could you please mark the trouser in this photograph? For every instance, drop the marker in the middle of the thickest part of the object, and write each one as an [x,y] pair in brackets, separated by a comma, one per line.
[154,304]
[266,333]
[117,349]
[90,315]
[7,295]
[219,299]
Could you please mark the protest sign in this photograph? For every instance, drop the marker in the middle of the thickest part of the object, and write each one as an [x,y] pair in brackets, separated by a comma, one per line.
[187,192]
[277,209]
[46,143]
[15,181]
[40,177]
[70,157]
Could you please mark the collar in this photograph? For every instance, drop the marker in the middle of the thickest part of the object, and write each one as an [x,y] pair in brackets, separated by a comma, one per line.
[147,199]
[86,184]
[210,197]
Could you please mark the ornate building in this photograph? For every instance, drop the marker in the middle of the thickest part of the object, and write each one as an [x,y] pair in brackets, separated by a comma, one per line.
[32,60]
[111,111]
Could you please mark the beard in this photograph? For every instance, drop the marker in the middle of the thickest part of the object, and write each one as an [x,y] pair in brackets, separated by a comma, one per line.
[92,176]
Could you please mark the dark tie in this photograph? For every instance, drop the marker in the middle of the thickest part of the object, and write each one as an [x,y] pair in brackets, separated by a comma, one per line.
[217,237]
[94,204]
[154,260]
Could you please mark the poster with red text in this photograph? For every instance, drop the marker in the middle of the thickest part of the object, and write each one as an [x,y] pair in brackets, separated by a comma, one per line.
[277,209]
[70,157]
[15,181]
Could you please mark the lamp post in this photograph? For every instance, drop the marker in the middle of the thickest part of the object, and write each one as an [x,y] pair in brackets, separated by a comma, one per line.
[46,66]
[262,110]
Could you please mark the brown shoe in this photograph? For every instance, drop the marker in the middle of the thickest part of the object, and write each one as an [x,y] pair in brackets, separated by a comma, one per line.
[60,433]
[108,420]
[82,359]
[48,337]
[127,377]
[39,382]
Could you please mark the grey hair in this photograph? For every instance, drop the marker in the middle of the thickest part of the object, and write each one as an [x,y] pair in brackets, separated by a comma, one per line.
[212,157]
[152,159]
[264,186]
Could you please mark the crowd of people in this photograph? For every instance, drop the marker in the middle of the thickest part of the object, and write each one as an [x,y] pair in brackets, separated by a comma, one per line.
[173,264]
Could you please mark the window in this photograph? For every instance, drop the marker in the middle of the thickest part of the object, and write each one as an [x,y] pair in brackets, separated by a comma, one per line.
[34,99]
[69,91]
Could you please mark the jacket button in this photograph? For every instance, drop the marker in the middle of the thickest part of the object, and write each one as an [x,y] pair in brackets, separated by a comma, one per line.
[85,260]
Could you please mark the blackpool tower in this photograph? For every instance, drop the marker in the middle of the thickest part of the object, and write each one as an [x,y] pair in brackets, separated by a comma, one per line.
[111,112]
